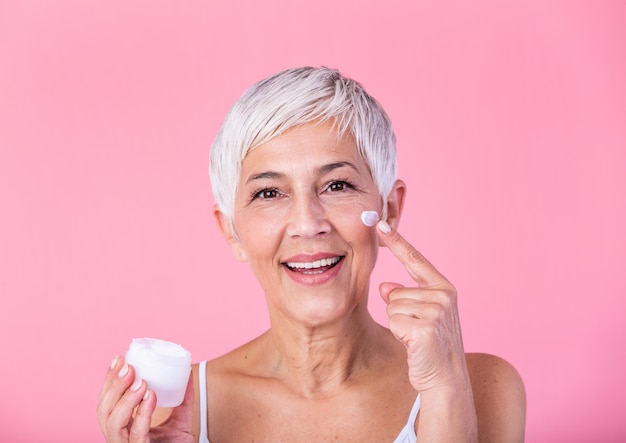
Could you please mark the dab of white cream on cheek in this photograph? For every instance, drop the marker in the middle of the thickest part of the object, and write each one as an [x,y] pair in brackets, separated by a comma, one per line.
[369,218]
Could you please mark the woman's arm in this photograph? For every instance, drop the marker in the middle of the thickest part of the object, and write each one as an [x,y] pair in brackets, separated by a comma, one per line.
[478,397]
[425,319]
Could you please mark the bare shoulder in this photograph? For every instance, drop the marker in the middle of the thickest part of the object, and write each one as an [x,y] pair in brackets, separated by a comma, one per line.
[228,373]
[236,361]
[499,398]
[490,369]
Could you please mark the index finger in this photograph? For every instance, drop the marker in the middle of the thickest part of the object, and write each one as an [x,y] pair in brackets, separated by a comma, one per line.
[418,267]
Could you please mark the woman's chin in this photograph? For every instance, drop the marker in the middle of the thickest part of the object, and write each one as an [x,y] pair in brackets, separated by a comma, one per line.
[319,310]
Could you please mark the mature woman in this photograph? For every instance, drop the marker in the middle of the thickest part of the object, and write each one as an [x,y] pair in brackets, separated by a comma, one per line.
[299,157]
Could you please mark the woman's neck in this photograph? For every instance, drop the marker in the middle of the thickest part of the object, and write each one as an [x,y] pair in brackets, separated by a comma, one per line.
[317,361]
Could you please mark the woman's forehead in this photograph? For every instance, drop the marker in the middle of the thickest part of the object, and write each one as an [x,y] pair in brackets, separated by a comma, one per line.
[325,133]
[306,146]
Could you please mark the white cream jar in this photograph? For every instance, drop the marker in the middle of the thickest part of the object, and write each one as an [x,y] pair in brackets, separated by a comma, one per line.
[165,366]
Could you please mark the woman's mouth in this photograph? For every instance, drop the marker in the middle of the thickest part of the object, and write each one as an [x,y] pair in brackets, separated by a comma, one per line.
[313,267]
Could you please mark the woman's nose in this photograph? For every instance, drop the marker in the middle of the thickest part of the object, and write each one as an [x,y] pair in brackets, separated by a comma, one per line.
[307,218]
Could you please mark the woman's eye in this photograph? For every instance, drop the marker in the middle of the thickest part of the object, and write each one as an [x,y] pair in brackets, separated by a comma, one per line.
[266,194]
[339,186]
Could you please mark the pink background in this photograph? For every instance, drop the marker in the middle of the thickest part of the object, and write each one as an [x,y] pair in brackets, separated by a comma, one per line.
[511,126]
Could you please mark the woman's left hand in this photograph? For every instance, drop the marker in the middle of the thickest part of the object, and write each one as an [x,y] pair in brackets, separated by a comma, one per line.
[425,319]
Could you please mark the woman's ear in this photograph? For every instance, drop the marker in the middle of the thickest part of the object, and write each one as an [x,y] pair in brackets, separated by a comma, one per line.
[227,230]
[395,203]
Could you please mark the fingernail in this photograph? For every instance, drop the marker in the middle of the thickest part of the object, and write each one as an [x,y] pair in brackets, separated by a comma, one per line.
[384,227]
[123,371]
[136,384]
[114,362]
[147,394]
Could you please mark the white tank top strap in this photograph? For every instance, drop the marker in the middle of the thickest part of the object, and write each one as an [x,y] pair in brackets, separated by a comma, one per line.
[204,435]
[407,435]
[414,411]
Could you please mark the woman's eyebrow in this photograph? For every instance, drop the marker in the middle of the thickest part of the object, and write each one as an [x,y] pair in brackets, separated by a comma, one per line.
[322,170]
[336,165]
[264,175]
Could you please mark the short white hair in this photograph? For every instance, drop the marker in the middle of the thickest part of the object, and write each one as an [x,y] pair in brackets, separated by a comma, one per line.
[291,98]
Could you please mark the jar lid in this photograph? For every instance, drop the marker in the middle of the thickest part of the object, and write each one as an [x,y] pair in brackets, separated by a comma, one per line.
[158,351]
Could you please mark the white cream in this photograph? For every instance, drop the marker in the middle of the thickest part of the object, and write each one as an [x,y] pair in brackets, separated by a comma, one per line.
[165,366]
[369,218]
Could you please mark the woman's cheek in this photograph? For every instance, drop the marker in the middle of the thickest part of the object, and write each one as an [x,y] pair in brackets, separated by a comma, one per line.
[349,215]
[363,240]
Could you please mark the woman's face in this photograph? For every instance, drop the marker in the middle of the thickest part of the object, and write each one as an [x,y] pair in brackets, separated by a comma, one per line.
[297,219]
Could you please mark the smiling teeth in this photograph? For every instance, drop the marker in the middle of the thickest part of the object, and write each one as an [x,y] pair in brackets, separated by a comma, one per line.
[315,264]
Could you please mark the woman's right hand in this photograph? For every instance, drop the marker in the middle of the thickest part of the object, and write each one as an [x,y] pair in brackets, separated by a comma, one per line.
[121,423]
